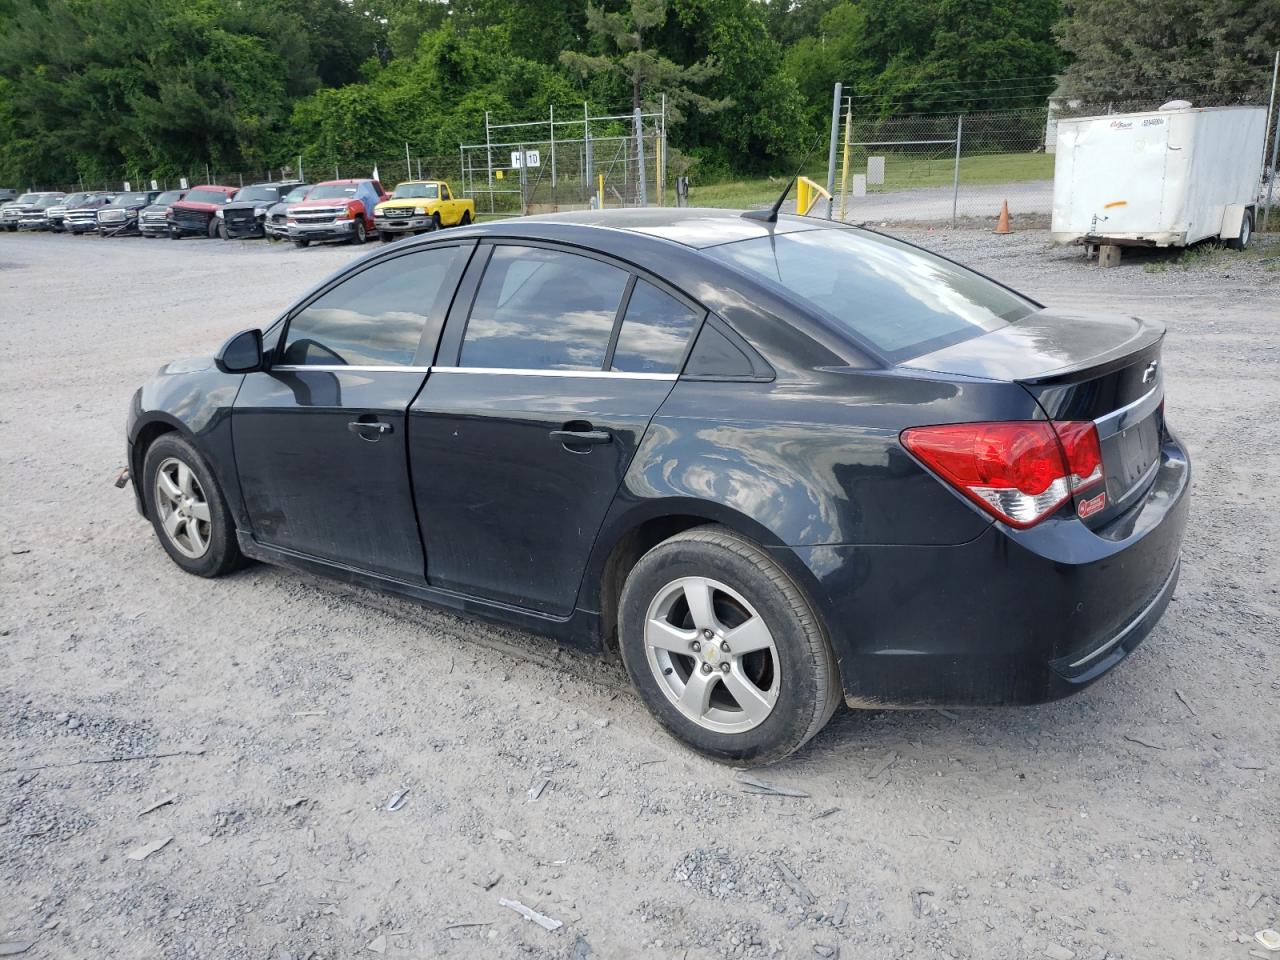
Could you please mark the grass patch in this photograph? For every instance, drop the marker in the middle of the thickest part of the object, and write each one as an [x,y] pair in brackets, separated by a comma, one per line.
[902,171]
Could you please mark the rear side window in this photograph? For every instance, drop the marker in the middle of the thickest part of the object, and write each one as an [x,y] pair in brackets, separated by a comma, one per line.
[655,331]
[540,309]
[377,317]
[903,301]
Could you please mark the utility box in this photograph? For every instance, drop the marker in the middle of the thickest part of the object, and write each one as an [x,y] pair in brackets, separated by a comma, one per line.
[1163,178]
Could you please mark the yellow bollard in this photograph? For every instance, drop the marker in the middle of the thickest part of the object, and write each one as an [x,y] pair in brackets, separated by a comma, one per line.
[600,193]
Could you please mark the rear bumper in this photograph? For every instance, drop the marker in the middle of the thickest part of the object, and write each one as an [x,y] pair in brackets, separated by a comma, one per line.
[1011,617]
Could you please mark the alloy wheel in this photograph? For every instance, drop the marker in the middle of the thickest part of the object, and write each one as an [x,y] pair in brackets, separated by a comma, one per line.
[712,654]
[184,511]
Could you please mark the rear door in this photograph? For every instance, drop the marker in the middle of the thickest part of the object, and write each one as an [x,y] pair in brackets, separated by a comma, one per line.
[320,436]
[541,394]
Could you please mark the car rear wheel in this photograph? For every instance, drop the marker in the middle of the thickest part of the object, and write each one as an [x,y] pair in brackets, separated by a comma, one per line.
[303,243]
[187,509]
[466,219]
[724,649]
[1246,232]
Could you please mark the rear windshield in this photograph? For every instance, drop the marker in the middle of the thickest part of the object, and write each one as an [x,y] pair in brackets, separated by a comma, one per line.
[332,191]
[206,196]
[902,301]
[427,191]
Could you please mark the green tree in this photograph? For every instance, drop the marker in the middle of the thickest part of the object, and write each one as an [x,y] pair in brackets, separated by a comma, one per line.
[1159,49]
[649,74]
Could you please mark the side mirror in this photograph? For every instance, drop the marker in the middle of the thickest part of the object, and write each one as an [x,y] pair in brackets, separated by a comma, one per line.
[241,354]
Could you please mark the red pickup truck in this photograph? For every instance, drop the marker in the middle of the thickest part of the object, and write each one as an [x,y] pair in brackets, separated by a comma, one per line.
[336,210]
[193,215]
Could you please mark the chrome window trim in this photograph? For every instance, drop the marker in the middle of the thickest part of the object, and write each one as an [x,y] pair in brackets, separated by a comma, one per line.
[351,367]
[523,372]
[1128,415]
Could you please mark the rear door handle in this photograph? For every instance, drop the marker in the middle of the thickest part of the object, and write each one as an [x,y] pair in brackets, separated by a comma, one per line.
[581,438]
[369,430]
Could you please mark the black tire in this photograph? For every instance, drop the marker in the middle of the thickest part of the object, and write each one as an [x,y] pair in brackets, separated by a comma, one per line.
[222,554]
[222,230]
[1246,232]
[385,237]
[175,234]
[466,219]
[358,234]
[808,677]
[303,243]
[211,229]
[435,222]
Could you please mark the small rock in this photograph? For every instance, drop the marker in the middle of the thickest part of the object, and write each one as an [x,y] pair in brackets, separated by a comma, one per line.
[1056,952]
[378,944]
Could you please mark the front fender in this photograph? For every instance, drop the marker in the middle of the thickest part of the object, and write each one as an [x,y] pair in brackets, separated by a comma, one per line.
[193,398]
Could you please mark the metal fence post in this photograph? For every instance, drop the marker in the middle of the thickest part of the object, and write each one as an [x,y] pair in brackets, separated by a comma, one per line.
[524,181]
[1275,139]
[553,154]
[641,195]
[835,135]
[844,166]
[586,137]
[955,180]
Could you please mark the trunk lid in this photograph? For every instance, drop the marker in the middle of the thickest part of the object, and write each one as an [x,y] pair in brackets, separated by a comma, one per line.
[1100,368]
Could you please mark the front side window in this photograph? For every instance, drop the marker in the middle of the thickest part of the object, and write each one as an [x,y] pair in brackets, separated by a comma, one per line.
[375,318]
[540,309]
[655,331]
[903,301]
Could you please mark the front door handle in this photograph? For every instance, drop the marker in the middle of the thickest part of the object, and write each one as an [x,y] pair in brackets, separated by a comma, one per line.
[369,429]
[581,438]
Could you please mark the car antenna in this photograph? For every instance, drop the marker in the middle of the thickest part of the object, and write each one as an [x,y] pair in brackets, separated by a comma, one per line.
[771,215]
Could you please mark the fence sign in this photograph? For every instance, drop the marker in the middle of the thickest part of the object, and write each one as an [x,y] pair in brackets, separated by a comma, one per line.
[183,183]
[875,170]
[127,186]
[154,186]
[532,158]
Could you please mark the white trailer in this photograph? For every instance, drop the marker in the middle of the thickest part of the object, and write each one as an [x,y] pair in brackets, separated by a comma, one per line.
[1164,178]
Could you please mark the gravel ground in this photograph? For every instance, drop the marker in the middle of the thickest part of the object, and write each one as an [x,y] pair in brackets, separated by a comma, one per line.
[274,716]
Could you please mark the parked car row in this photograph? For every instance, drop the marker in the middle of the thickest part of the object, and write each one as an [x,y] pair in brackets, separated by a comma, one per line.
[345,210]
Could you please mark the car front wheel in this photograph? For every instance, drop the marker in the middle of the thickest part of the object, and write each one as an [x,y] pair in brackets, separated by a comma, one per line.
[187,509]
[358,232]
[724,649]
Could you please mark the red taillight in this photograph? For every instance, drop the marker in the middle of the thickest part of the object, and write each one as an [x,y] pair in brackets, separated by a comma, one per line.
[1018,471]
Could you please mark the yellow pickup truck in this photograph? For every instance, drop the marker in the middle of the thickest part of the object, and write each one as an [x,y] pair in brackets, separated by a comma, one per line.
[417,206]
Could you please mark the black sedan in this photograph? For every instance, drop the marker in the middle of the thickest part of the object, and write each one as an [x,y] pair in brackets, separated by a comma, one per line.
[772,464]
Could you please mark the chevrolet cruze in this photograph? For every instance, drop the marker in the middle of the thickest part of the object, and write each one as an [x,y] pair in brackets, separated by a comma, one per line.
[773,463]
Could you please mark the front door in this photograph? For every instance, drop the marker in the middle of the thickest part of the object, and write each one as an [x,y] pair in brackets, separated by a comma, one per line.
[518,450]
[319,437]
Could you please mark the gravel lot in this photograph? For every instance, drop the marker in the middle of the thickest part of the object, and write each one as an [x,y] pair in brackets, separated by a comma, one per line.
[1138,820]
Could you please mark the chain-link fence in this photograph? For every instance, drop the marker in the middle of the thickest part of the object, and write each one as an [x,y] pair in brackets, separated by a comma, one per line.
[943,167]
[542,166]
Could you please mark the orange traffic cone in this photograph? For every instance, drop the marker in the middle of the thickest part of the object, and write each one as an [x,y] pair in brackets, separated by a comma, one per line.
[1003,225]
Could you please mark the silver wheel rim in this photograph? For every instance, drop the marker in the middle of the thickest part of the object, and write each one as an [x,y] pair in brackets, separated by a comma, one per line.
[184,511]
[1245,231]
[712,654]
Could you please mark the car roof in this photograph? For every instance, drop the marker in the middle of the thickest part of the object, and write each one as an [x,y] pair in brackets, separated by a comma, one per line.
[690,226]
[334,183]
